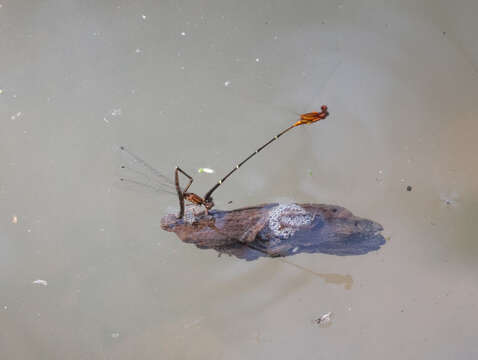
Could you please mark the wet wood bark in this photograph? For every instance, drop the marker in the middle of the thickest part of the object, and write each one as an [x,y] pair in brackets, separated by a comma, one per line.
[278,230]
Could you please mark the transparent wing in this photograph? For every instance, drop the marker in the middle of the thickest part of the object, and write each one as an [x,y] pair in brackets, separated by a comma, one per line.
[137,173]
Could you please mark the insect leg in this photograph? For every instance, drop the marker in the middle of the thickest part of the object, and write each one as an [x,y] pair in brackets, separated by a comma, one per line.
[180,193]
[188,176]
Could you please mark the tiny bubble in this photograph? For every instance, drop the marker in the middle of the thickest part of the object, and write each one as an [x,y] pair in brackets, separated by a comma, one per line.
[257,59]
[227,83]
[143,17]
[183,34]
[138,51]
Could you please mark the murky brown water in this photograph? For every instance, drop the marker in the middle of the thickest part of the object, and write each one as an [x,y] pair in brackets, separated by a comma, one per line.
[202,85]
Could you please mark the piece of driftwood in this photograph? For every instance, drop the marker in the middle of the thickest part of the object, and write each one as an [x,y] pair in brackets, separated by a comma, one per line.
[278,230]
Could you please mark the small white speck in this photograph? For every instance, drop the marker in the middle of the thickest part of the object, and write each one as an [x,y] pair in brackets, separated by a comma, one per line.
[29,230]
[19,113]
[193,323]
[106,120]
[40,282]
[116,112]
[295,249]
[206,170]
[227,83]
[14,219]
[138,51]
[115,335]
[1,91]
[182,68]
[183,34]
[5,307]
[257,59]
[14,95]
[143,17]
[380,172]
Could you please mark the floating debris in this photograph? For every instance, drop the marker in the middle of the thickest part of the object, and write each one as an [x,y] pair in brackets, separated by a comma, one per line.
[115,335]
[450,199]
[206,170]
[14,219]
[183,33]
[40,282]
[227,83]
[409,188]
[324,319]
[272,230]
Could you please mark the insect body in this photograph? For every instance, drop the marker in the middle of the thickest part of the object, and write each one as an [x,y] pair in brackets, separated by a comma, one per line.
[207,201]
